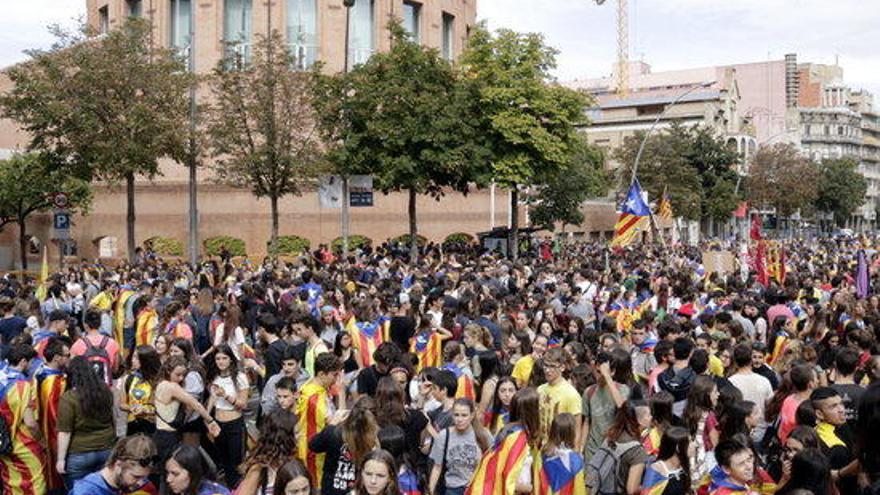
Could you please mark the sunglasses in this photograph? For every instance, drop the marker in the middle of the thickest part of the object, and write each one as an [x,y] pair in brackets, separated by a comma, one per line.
[144,462]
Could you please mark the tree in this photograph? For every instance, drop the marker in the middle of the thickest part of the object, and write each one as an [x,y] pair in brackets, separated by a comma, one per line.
[525,120]
[400,117]
[105,108]
[261,126]
[693,165]
[27,182]
[560,199]
[780,178]
[843,188]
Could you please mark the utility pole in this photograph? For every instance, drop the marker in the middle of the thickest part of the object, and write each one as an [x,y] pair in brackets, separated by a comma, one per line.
[193,186]
[346,220]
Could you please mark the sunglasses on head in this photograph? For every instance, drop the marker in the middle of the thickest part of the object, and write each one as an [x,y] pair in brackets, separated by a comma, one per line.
[145,462]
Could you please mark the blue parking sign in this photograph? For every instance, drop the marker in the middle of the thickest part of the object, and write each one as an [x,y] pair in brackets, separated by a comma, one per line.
[61,221]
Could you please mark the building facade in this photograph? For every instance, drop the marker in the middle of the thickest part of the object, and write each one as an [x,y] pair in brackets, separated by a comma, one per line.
[315,31]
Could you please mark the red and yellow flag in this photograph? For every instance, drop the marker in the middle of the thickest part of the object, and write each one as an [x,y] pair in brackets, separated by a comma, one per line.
[51,384]
[146,327]
[119,315]
[634,214]
[427,346]
[312,410]
[366,337]
[500,467]
[22,471]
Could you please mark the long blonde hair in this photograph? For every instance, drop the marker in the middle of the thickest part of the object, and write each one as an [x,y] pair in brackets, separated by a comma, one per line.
[360,431]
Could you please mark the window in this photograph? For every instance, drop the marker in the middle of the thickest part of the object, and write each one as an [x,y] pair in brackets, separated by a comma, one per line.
[411,17]
[302,31]
[448,35]
[103,20]
[237,27]
[135,7]
[360,34]
[180,23]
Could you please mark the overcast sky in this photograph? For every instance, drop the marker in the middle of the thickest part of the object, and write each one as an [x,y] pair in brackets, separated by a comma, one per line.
[668,34]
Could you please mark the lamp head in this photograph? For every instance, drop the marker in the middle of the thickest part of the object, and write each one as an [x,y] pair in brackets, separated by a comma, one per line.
[348,3]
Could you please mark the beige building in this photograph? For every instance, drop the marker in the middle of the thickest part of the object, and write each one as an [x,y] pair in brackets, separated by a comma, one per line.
[315,31]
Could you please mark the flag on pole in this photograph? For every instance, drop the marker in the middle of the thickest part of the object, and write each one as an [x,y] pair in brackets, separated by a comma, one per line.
[664,209]
[862,276]
[42,289]
[755,232]
[634,212]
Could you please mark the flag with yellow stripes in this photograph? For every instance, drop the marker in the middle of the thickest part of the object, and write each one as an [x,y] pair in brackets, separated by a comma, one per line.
[634,215]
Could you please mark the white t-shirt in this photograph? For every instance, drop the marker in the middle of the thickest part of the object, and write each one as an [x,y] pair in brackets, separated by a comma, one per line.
[757,389]
[235,342]
[229,388]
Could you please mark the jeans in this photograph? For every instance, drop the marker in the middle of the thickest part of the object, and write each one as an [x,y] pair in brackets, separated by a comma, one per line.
[230,449]
[80,464]
[128,337]
[455,491]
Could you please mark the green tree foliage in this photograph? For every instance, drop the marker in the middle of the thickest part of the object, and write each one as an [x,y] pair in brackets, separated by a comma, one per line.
[781,178]
[165,246]
[560,199]
[27,182]
[694,166]
[261,126]
[400,118]
[843,188]
[107,108]
[525,120]
[292,245]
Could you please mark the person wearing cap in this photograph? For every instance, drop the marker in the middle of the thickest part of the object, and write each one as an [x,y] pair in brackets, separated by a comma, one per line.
[56,326]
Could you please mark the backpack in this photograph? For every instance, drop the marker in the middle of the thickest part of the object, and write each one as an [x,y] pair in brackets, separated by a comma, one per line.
[98,358]
[601,473]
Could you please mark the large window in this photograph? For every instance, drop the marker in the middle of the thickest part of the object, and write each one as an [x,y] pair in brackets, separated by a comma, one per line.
[103,20]
[135,7]
[360,32]
[448,36]
[180,23]
[237,27]
[411,17]
[302,31]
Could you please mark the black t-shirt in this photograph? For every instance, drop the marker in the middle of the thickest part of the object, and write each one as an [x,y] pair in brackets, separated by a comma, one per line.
[768,373]
[441,419]
[401,330]
[368,380]
[274,356]
[852,396]
[339,467]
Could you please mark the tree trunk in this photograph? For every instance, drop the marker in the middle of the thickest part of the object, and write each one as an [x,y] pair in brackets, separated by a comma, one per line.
[513,244]
[273,237]
[22,243]
[130,215]
[413,229]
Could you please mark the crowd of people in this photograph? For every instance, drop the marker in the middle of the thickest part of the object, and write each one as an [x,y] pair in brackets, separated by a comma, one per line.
[575,369]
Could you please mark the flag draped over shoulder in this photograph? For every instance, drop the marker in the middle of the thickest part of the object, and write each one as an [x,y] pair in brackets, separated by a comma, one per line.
[427,347]
[562,476]
[653,483]
[501,466]
[634,213]
[312,413]
[465,382]
[51,384]
[366,336]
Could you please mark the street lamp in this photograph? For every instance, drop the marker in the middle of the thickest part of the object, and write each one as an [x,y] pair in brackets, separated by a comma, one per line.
[193,184]
[657,121]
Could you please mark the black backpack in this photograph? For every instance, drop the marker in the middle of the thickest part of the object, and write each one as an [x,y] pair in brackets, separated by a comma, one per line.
[98,358]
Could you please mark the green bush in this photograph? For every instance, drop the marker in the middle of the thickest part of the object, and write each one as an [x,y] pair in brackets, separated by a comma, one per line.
[165,246]
[291,245]
[234,245]
[354,242]
[404,240]
[458,238]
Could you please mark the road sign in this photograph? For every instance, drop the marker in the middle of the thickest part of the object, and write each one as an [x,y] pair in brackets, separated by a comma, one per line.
[360,191]
[61,225]
[60,200]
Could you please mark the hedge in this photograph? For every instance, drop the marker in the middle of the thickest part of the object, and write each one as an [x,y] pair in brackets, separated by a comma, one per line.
[459,238]
[292,245]
[235,246]
[354,242]
[404,240]
[165,246]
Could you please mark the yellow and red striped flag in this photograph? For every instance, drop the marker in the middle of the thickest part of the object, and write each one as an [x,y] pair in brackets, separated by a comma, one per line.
[312,411]
[499,468]
[634,213]
[664,209]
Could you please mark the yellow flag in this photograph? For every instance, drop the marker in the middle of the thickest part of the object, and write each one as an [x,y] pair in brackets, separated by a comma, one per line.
[44,276]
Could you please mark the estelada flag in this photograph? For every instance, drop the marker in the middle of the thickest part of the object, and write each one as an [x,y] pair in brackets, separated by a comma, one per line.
[500,467]
[634,212]
[427,345]
[562,476]
[366,336]
[664,209]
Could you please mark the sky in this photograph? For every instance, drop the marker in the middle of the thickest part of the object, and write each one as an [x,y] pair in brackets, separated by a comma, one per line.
[667,34]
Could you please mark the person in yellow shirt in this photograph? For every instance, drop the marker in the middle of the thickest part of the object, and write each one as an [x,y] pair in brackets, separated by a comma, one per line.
[522,371]
[557,395]
[705,342]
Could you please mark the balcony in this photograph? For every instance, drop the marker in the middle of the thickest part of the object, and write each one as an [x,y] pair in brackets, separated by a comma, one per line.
[304,55]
